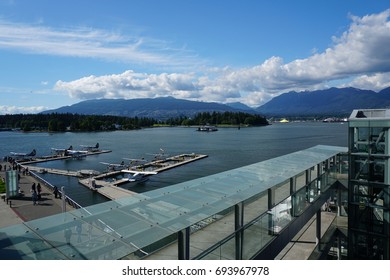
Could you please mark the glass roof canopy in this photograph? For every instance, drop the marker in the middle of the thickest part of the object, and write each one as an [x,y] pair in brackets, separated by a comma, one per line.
[115,229]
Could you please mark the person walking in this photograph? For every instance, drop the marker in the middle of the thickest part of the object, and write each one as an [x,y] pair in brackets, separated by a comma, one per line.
[39,190]
[55,191]
[68,235]
[34,197]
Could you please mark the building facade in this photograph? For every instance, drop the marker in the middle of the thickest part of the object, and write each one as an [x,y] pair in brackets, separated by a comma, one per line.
[369,185]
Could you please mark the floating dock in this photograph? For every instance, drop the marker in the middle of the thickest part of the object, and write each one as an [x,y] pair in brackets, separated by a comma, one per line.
[54,171]
[111,190]
[99,182]
[59,157]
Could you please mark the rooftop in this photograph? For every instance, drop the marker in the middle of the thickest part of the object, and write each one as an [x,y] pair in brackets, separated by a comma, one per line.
[370,114]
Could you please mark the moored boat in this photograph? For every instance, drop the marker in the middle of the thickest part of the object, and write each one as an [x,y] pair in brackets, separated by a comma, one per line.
[207,128]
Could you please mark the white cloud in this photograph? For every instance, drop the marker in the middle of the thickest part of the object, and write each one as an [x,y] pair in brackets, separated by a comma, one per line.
[21,110]
[93,43]
[361,51]
[130,85]
[374,82]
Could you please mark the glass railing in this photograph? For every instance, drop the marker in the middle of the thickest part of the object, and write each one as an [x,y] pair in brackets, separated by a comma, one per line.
[260,231]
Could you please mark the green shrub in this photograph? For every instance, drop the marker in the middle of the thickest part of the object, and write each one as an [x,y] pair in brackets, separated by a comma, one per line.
[2,187]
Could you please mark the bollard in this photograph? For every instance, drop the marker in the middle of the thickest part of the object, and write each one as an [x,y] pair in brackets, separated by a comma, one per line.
[10,204]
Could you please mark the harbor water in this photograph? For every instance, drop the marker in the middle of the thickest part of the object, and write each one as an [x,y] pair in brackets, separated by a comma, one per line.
[227,148]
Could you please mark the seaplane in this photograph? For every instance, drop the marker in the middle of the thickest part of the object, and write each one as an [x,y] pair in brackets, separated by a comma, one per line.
[136,176]
[24,155]
[160,156]
[91,148]
[135,161]
[76,153]
[115,166]
[60,151]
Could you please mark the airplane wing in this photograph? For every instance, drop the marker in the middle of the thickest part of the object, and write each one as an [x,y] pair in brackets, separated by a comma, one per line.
[76,153]
[61,150]
[33,153]
[58,150]
[90,147]
[136,159]
[17,154]
[138,172]
[113,164]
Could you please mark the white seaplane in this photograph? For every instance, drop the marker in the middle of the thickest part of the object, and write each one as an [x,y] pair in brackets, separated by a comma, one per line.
[115,166]
[61,151]
[91,148]
[19,155]
[136,176]
[76,153]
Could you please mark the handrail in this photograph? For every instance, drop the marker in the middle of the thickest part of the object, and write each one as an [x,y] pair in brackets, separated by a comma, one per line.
[69,200]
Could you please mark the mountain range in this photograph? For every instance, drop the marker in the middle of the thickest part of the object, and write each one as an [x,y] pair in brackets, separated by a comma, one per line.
[157,108]
[332,101]
[328,102]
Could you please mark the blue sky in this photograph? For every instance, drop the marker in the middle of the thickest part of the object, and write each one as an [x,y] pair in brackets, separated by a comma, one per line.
[57,53]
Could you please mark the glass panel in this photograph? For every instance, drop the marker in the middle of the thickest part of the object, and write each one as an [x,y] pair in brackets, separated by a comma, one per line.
[281,215]
[282,191]
[299,202]
[313,191]
[255,207]
[256,236]
[19,242]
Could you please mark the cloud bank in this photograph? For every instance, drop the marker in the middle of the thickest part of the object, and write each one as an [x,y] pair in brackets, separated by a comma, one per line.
[360,55]
[4,110]
[93,43]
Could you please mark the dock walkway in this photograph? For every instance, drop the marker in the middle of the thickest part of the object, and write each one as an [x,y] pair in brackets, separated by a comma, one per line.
[111,189]
[54,171]
[58,157]
[106,189]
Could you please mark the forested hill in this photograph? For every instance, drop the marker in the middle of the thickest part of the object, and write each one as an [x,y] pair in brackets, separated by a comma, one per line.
[328,102]
[161,108]
[77,122]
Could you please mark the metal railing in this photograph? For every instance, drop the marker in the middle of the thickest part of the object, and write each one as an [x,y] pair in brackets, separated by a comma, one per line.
[68,199]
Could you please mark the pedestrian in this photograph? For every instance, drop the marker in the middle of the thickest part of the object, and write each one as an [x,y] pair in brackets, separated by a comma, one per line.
[33,188]
[55,191]
[39,189]
[34,197]
[79,229]
[68,235]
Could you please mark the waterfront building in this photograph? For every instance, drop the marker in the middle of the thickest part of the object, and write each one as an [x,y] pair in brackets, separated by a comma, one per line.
[369,185]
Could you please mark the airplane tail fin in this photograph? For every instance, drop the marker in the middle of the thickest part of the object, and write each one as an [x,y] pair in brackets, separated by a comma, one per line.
[97,145]
[33,153]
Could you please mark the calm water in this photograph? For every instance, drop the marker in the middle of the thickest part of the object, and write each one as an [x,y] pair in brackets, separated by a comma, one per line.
[227,148]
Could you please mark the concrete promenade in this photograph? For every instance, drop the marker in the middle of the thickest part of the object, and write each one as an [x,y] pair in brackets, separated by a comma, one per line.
[21,209]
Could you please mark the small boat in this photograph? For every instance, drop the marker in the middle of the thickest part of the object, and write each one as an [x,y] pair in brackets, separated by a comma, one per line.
[207,128]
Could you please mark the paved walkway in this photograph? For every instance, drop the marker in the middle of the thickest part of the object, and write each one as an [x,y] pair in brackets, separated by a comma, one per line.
[21,209]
